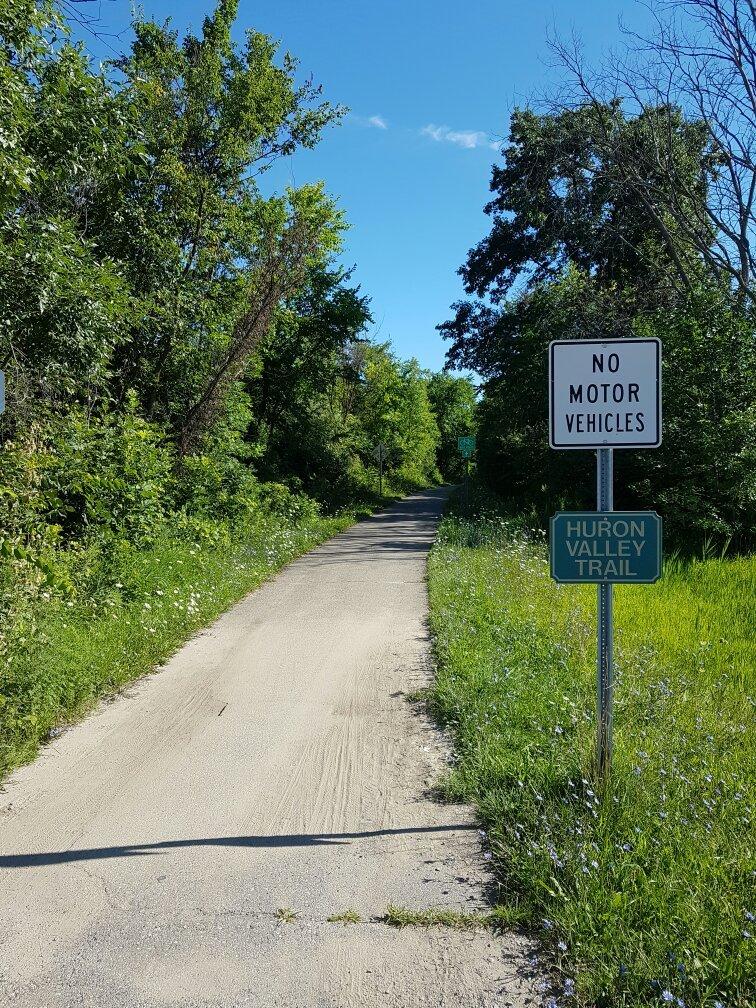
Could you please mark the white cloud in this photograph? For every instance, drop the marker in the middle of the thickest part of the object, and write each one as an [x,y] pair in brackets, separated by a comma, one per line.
[373,121]
[469,139]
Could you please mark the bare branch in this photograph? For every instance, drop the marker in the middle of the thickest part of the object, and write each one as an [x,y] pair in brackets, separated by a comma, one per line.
[700,61]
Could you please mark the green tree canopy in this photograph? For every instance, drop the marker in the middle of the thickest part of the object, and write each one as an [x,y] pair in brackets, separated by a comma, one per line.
[581,247]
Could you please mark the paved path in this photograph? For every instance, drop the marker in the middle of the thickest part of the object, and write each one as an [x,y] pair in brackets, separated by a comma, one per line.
[275,762]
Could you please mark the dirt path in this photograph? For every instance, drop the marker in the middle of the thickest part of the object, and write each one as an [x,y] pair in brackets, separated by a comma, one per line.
[274,763]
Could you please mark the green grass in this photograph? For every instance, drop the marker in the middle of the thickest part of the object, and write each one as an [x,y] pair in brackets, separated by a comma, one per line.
[643,893]
[85,649]
[345,917]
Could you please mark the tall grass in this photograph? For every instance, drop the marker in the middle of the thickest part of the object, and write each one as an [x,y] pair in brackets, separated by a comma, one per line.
[644,892]
[90,646]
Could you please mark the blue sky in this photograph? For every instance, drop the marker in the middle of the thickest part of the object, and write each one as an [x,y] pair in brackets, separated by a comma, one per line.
[430,85]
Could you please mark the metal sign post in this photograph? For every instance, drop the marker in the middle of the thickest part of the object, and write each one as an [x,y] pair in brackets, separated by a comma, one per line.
[605,657]
[605,394]
[379,454]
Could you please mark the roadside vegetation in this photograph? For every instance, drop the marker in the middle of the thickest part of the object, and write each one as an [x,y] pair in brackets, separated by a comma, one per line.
[74,649]
[192,396]
[643,892]
[622,206]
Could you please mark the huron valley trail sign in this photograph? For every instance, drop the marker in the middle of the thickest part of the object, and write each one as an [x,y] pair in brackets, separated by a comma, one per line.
[606,547]
[605,394]
[466,445]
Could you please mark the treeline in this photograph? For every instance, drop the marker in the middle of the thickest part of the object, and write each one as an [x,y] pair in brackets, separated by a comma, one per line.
[625,209]
[181,351]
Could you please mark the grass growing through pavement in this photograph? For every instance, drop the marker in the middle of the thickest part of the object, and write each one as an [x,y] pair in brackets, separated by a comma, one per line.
[89,648]
[645,893]
[345,917]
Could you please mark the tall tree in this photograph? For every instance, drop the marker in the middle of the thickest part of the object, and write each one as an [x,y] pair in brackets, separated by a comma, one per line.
[698,63]
[453,401]
[580,248]
[303,386]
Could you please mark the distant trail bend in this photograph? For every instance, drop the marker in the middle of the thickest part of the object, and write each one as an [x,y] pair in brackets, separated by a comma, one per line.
[185,845]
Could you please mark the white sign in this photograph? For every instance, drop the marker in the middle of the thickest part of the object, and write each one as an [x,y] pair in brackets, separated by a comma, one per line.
[605,393]
[380,452]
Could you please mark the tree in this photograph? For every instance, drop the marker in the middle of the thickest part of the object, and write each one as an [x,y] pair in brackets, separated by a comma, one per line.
[453,401]
[577,251]
[699,65]
[210,260]
[303,386]
[393,407]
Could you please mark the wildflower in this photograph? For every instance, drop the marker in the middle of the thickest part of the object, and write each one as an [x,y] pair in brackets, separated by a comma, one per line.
[562,946]
[667,995]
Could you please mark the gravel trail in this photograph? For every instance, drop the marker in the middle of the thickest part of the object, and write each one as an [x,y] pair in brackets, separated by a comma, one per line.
[186,843]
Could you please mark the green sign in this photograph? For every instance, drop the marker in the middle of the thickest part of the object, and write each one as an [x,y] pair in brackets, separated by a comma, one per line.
[601,547]
[466,445]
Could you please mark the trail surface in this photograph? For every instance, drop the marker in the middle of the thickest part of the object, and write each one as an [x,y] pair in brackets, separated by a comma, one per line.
[274,763]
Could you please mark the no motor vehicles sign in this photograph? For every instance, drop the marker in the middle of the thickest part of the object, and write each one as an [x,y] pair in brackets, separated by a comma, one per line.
[605,393]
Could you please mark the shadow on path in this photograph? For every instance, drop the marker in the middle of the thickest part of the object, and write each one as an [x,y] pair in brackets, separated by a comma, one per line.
[138,849]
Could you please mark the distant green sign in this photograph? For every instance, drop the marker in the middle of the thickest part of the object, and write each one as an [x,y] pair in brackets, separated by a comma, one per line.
[466,446]
[606,546]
